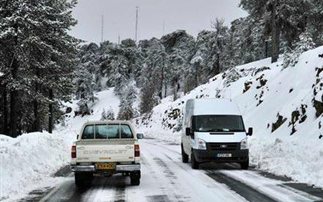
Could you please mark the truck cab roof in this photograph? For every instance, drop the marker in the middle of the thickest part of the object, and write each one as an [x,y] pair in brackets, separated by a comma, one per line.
[107,122]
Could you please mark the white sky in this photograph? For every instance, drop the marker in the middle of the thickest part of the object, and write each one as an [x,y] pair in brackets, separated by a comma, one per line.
[119,17]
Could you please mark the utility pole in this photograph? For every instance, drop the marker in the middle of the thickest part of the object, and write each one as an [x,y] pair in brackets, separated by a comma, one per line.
[102,27]
[136,31]
[118,39]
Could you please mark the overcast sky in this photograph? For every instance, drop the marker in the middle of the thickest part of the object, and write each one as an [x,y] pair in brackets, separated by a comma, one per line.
[119,17]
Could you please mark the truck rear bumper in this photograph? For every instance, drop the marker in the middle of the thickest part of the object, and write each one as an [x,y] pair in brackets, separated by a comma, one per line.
[132,167]
[78,168]
[119,168]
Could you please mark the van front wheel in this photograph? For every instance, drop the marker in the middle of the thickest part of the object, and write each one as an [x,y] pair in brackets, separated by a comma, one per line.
[194,163]
[184,155]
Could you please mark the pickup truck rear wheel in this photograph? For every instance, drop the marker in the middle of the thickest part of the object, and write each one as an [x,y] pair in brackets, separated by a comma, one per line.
[82,179]
[194,163]
[245,165]
[135,178]
[135,181]
[184,155]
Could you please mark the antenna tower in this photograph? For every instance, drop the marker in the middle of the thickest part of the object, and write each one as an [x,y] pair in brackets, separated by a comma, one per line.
[102,27]
[136,31]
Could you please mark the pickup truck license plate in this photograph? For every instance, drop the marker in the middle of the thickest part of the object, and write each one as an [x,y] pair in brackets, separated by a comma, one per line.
[105,166]
[224,155]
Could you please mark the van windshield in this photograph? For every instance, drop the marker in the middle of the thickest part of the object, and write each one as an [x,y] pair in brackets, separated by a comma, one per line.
[218,123]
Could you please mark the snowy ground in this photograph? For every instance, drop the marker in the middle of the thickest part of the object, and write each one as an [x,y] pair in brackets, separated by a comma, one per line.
[29,161]
[166,178]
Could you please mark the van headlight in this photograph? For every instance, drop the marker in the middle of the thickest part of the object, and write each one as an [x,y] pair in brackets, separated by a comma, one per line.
[244,144]
[201,144]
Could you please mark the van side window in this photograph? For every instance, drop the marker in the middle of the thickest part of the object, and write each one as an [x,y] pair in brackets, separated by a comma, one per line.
[88,132]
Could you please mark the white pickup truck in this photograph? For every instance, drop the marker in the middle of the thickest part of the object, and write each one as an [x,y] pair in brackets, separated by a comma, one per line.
[105,148]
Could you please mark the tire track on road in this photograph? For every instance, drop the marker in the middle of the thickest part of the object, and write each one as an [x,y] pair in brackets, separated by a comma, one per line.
[242,189]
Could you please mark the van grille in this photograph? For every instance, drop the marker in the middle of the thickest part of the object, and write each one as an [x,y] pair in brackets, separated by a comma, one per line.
[223,146]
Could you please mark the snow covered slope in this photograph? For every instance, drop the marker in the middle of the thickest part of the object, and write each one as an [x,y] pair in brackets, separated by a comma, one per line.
[29,161]
[278,103]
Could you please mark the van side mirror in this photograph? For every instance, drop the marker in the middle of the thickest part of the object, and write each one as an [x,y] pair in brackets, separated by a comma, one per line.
[188,131]
[250,131]
[140,136]
[77,137]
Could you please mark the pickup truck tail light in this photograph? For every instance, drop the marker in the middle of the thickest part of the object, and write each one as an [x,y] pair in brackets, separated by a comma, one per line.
[73,151]
[137,150]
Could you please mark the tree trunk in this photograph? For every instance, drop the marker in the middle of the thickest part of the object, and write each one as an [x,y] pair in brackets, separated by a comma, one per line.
[50,116]
[175,83]
[275,32]
[4,111]
[266,49]
[216,65]
[13,113]
[165,89]
[36,124]
[161,83]
[13,123]
[196,67]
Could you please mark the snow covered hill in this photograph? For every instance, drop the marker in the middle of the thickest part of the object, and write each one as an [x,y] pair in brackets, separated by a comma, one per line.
[283,105]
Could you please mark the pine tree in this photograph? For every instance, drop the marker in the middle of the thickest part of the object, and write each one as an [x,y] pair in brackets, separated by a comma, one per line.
[147,98]
[126,111]
[110,114]
[283,20]
[155,58]
[305,43]
[38,59]
[180,48]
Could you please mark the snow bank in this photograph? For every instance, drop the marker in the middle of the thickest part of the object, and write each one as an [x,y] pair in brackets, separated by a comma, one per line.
[29,160]
[295,158]
[276,102]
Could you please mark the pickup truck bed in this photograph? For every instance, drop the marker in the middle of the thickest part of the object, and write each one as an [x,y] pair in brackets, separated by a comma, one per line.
[106,148]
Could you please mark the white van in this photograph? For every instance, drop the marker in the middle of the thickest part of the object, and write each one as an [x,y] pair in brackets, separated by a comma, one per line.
[213,130]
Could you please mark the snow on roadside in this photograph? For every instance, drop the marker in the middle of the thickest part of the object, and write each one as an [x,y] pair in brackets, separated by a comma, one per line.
[29,161]
[263,92]
[295,158]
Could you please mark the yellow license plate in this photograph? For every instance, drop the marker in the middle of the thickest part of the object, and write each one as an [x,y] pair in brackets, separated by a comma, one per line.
[105,166]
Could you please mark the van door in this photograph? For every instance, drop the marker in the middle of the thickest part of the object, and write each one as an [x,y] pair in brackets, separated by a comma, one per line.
[187,139]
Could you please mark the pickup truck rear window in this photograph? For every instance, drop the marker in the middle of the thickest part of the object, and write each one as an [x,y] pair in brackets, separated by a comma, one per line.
[88,132]
[104,131]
